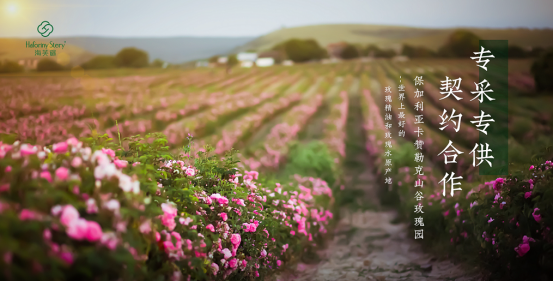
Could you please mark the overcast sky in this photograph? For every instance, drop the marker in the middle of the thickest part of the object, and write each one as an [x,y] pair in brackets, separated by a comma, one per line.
[141,18]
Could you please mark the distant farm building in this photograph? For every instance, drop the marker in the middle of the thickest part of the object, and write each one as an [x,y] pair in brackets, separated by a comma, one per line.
[278,56]
[246,56]
[222,60]
[202,63]
[246,59]
[264,62]
[287,62]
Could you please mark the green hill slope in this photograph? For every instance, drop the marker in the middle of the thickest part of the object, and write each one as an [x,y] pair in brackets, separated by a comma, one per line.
[394,36]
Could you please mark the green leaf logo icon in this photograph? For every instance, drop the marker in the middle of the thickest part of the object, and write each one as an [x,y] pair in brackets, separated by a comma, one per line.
[45,29]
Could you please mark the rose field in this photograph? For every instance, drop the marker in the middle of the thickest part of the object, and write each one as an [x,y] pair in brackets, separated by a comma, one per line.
[258,174]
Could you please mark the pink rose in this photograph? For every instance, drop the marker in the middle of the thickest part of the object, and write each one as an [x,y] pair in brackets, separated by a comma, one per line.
[109,240]
[226,252]
[210,227]
[279,262]
[91,207]
[215,268]
[498,183]
[235,239]
[76,162]
[94,231]
[223,216]
[120,163]
[263,253]
[522,249]
[62,173]
[109,152]
[46,175]
[536,217]
[246,227]
[73,141]
[185,221]
[77,229]
[531,167]
[145,227]
[190,172]
[27,149]
[67,257]
[233,263]
[60,147]
[253,227]
[68,215]
[27,215]
[527,195]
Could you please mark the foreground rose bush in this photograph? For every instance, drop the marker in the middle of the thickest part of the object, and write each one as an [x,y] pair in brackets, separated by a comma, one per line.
[69,214]
[100,210]
[506,223]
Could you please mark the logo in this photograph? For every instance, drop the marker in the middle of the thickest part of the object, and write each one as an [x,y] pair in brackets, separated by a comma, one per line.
[45,29]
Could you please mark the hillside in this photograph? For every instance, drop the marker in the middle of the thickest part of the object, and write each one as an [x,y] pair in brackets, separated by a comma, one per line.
[394,36]
[172,49]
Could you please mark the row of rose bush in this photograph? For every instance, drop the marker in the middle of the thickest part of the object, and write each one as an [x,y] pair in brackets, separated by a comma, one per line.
[335,126]
[202,123]
[97,209]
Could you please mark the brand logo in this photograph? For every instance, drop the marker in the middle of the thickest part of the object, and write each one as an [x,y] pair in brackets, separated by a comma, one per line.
[45,29]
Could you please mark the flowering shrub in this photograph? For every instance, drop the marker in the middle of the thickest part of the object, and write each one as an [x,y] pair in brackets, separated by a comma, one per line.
[506,221]
[97,210]
[70,212]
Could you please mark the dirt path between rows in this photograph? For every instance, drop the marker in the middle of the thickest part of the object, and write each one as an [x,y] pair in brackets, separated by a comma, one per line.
[367,243]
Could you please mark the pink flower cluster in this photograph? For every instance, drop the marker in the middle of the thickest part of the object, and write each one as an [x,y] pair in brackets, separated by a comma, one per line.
[169,215]
[76,227]
[524,247]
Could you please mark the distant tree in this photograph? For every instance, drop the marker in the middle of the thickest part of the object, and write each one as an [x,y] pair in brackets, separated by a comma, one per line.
[372,50]
[157,63]
[516,52]
[416,52]
[131,57]
[542,69]
[375,51]
[536,52]
[213,59]
[461,43]
[349,52]
[299,50]
[231,62]
[100,62]
[386,53]
[9,66]
[48,65]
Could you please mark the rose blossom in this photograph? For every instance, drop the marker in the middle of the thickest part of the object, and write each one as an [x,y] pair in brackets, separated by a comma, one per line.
[68,214]
[60,147]
[233,263]
[235,239]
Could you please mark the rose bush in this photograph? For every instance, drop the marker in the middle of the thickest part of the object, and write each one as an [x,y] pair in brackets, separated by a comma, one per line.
[95,209]
[504,224]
